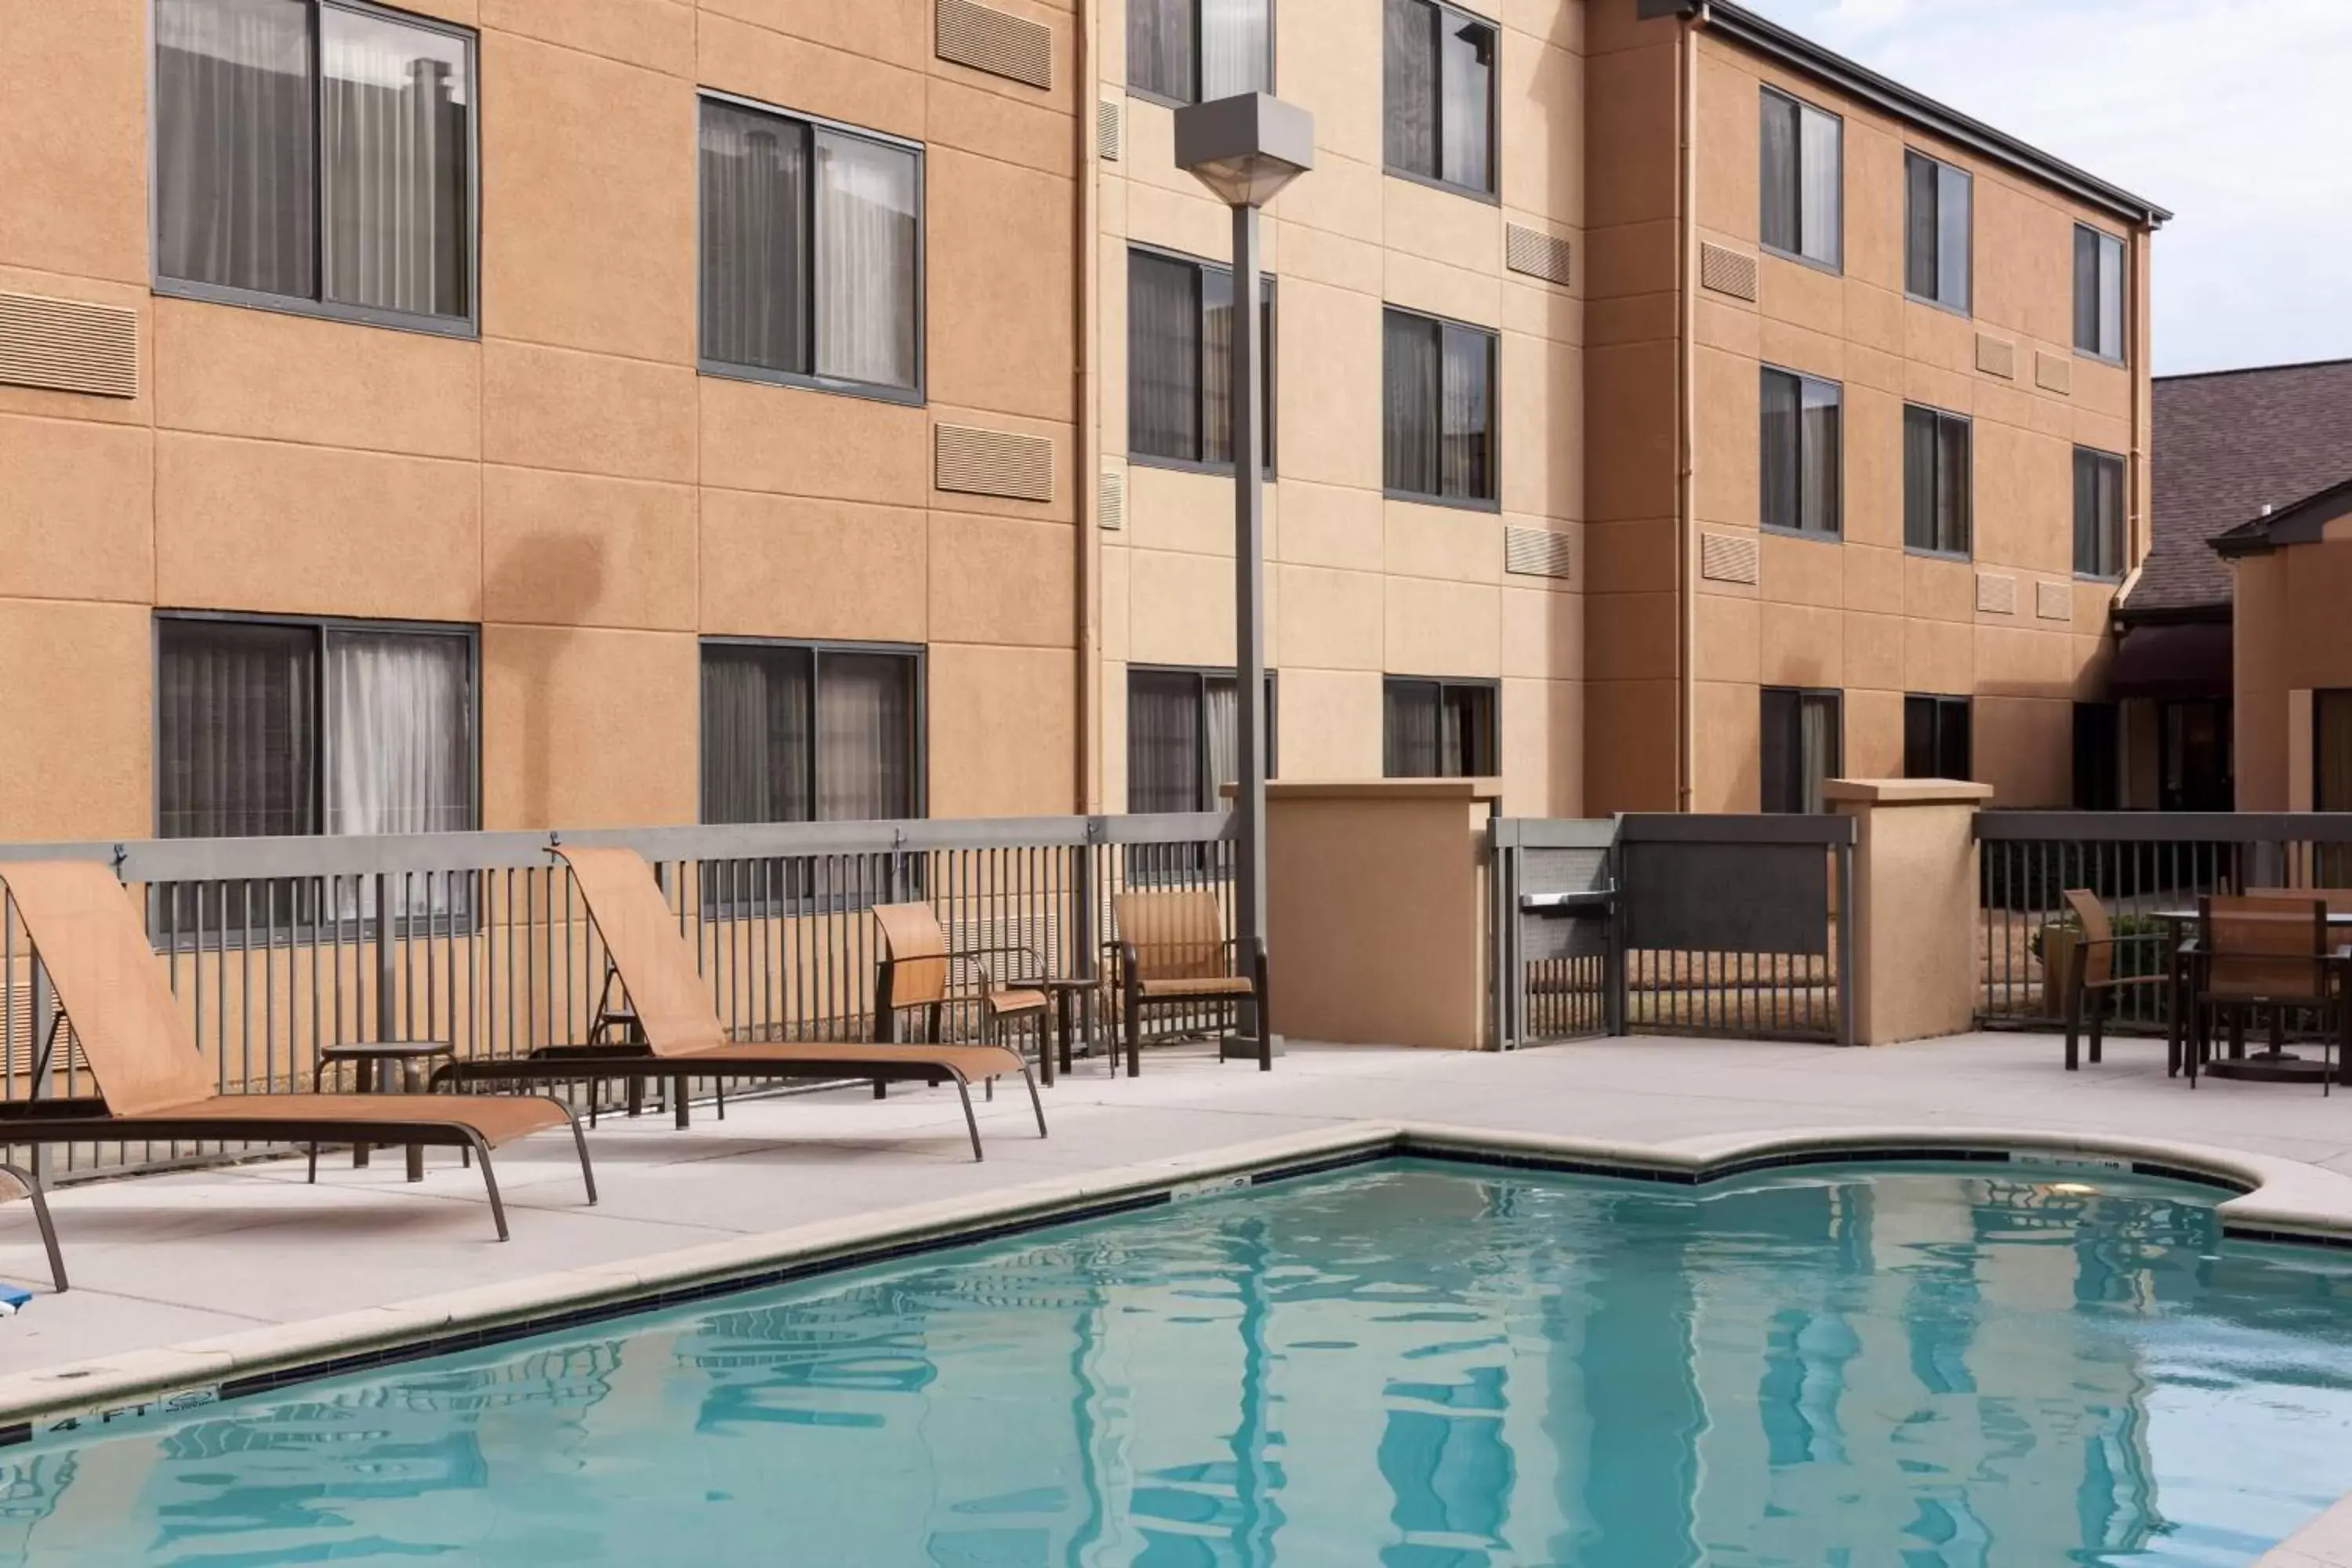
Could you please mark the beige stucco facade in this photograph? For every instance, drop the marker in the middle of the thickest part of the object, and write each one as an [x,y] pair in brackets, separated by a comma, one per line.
[2287,616]
[567,481]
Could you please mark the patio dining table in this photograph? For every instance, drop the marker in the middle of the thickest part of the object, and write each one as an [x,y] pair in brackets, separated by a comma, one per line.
[2274,1065]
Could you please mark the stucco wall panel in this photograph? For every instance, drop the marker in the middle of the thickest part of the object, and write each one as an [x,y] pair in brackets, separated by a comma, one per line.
[585,728]
[1726,763]
[773,65]
[1001,580]
[1873,649]
[779,566]
[1443,542]
[581,550]
[1325,57]
[655,33]
[1331,723]
[1004,729]
[898,32]
[1726,634]
[1632,767]
[1442,628]
[794,442]
[77,510]
[1332,525]
[1543,747]
[75,171]
[552,408]
[1330,620]
[1543,633]
[79,696]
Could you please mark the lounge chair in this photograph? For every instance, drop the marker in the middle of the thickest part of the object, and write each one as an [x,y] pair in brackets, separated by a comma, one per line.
[913,973]
[30,1185]
[2095,980]
[1173,953]
[151,1077]
[675,1029]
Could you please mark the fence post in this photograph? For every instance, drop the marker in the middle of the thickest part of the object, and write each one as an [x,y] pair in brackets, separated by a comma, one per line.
[387,1012]
[1846,923]
[1613,978]
[1913,912]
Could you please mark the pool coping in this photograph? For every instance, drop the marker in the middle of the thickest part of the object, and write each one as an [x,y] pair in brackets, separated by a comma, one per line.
[2274,1199]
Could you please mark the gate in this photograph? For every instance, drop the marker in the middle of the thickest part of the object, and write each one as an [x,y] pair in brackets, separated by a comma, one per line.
[1557,962]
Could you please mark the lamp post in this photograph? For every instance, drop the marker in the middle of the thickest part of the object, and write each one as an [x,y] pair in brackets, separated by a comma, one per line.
[1245,149]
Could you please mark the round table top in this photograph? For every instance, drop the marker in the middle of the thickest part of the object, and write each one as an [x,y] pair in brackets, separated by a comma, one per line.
[355,1050]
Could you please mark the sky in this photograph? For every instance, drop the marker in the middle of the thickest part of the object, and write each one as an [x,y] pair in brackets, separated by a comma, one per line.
[2229,112]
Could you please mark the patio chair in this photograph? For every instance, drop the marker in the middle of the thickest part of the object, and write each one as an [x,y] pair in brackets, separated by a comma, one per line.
[2256,954]
[2095,981]
[151,1078]
[913,973]
[1173,953]
[675,1031]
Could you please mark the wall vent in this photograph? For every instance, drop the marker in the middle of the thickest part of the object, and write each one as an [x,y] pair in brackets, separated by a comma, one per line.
[1109,142]
[1728,557]
[1726,271]
[1110,500]
[1536,253]
[2055,601]
[2054,372]
[994,41]
[992,463]
[69,345]
[1535,553]
[1996,356]
[1996,594]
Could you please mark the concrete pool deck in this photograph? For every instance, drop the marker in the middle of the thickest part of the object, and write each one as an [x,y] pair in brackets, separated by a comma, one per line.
[180,1280]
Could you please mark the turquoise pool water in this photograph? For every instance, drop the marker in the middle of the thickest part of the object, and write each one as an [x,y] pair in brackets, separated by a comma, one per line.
[1409,1365]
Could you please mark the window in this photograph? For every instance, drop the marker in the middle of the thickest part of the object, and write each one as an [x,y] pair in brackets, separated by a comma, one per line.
[318,155]
[2331,751]
[811,252]
[795,732]
[1802,747]
[1803,174]
[2098,513]
[1440,95]
[1937,499]
[2098,294]
[1440,728]
[1935,738]
[1196,51]
[2098,757]
[1798,440]
[1180,367]
[1935,232]
[1438,429]
[1182,728]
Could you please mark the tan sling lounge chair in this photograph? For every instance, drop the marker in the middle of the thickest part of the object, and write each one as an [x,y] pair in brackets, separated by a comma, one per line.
[670,1007]
[151,1077]
[1173,953]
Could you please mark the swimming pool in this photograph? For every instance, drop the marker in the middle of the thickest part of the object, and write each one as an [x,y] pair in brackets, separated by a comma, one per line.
[1410,1364]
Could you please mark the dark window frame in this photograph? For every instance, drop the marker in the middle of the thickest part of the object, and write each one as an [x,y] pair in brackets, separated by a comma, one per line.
[1445,687]
[1940,709]
[1441,11]
[1835,531]
[1945,420]
[2099,301]
[1967,305]
[2322,700]
[917,395]
[1169,101]
[1270,320]
[1201,675]
[1835,261]
[1492,500]
[2107,536]
[317,304]
[918,656]
[1798,697]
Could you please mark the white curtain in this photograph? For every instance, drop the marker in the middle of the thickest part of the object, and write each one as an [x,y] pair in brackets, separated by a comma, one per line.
[1778,167]
[1216,366]
[864,754]
[1464,418]
[234,135]
[865,261]
[1221,734]
[1410,83]
[400,744]
[1467,54]
[1821,509]
[1817,743]
[754,239]
[1236,47]
[1159,48]
[394,156]
[1822,193]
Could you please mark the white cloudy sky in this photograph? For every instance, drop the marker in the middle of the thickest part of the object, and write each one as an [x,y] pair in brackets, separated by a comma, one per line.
[2230,112]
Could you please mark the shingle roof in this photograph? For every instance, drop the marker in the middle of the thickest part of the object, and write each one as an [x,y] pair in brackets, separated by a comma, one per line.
[2225,444]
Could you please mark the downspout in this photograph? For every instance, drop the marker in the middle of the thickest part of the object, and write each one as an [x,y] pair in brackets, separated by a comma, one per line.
[1088,778]
[1686,411]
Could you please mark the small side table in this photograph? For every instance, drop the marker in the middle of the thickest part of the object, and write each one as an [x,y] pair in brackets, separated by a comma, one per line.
[386,1067]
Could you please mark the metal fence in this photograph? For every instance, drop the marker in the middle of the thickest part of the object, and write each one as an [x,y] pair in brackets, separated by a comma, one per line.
[1723,925]
[278,947]
[2148,869]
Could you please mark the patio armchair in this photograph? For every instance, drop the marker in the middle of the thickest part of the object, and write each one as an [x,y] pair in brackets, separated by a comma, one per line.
[2093,981]
[913,973]
[2262,954]
[1173,953]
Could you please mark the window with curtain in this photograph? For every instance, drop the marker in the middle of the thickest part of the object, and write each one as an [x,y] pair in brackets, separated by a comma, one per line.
[1935,741]
[1937,489]
[312,152]
[1798,439]
[1196,51]
[1179,357]
[1801,747]
[1182,727]
[2331,751]
[2098,294]
[1439,728]
[795,733]
[811,252]
[1936,231]
[1439,77]
[1438,402]
[1802,179]
[2098,513]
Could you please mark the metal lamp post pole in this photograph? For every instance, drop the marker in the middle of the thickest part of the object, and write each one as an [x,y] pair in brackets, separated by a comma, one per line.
[1249,623]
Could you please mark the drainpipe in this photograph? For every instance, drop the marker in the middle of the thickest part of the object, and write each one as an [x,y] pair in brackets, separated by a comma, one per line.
[1687,412]
[1087,778]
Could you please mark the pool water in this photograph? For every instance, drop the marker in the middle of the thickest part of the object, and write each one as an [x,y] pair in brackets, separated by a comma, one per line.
[1413,1365]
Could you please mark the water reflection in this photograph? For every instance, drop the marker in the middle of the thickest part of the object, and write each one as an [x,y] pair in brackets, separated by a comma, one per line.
[1419,1367]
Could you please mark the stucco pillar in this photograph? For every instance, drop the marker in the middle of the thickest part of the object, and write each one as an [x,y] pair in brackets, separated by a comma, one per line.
[1915,919]
[1376,911]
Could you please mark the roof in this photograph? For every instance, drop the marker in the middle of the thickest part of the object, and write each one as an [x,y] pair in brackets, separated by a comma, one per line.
[2304,522]
[2225,444]
[1856,80]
